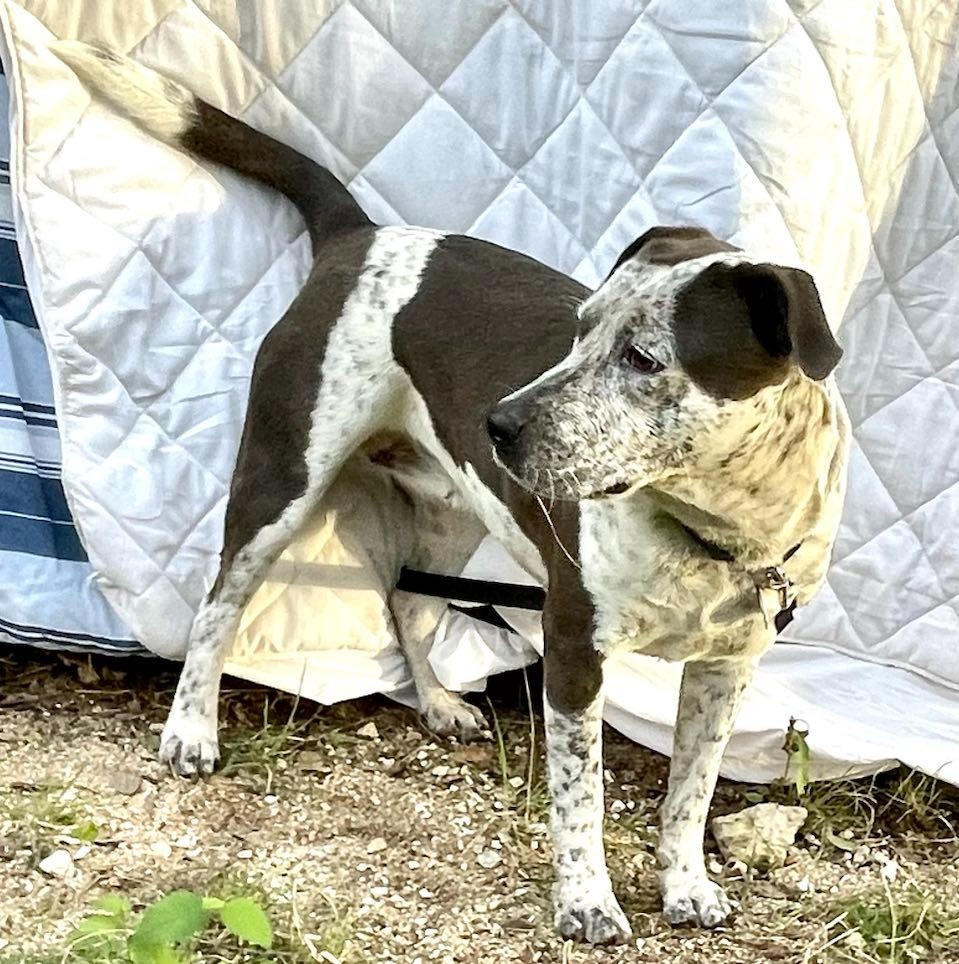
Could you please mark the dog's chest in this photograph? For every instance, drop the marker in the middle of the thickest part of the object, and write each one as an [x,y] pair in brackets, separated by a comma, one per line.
[653,597]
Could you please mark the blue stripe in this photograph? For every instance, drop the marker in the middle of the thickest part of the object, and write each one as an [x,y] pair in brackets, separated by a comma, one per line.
[41,538]
[43,420]
[57,637]
[37,407]
[17,628]
[11,268]
[15,306]
[29,462]
[30,494]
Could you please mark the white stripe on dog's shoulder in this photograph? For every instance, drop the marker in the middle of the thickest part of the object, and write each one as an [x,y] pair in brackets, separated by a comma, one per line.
[358,365]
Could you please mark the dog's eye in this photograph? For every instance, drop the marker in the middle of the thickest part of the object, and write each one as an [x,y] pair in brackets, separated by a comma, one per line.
[643,363]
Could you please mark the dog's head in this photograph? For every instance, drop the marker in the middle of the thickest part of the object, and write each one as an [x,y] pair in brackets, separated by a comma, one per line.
[682,342]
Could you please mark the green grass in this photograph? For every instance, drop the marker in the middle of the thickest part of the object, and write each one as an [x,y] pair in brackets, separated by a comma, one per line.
[523,786]
[38,816]
[267,753]
[895,926]
[893,803]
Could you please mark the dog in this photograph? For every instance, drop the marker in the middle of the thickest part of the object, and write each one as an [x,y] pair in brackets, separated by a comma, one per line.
[665,454]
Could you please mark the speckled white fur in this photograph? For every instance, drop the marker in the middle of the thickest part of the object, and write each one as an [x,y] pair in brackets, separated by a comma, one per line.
[586,908]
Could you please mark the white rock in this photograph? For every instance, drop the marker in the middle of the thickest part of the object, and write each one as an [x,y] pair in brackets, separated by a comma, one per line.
[889,871]
[369,730]
[489,859]
[376,845]
[516,782]
[59,864]
[804,886]
[161,849]
[759,836]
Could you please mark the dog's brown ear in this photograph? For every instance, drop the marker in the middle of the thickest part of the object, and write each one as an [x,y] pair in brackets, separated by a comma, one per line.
[787,316]
[670,245]
[738,327]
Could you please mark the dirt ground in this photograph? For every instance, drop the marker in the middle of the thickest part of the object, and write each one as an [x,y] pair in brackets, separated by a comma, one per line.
[378,843]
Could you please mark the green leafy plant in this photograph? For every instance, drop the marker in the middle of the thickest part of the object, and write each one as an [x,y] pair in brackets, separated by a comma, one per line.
[162,933]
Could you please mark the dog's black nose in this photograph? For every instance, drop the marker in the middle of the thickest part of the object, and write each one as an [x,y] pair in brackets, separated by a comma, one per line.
[504,425]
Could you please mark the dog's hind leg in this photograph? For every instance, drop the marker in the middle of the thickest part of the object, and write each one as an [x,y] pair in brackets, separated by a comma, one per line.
[709,698]
[445,713]
[444,539]
[261,521]
[323,382]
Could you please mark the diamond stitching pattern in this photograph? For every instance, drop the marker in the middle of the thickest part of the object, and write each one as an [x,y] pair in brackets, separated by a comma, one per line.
[519,176]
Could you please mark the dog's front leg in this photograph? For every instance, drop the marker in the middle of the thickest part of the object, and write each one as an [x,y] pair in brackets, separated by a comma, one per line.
[709,698]
[586,908]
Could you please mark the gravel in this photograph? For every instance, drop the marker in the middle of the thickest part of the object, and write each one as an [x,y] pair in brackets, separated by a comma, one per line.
[369,840]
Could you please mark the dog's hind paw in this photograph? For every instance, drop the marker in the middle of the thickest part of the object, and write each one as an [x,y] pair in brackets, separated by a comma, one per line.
[699,902]
[189,747]
[602,922]
[448,714]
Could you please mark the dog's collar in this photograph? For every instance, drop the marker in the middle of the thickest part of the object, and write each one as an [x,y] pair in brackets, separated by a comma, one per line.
[712,549]
[719,553]
[771,579]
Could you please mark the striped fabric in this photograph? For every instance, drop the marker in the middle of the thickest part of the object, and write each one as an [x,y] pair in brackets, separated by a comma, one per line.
[47,594]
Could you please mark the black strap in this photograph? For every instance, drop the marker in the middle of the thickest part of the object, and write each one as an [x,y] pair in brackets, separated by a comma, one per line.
[784,617]
[792,552]
[490,593]
[472,590]
[712,549]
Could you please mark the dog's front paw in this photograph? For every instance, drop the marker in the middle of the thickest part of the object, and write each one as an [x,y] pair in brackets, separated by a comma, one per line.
[188,745]
[599,921]
[695,900]
[448,714]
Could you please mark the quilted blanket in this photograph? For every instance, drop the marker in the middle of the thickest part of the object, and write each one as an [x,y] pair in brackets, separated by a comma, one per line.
[823,132]
[47,594]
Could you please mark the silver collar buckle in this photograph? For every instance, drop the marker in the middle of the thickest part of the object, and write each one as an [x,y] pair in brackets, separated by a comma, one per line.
[774,579]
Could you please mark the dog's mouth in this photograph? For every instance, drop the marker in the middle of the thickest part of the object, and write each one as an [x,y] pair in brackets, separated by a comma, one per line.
[556,490]
[618,489]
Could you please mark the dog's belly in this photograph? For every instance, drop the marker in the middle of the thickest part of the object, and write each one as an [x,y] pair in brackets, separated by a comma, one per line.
[460,485]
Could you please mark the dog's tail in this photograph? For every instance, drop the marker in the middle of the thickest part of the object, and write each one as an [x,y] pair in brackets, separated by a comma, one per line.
[172,113]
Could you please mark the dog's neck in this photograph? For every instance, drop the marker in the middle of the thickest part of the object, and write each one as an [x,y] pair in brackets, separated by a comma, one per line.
[758,501]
